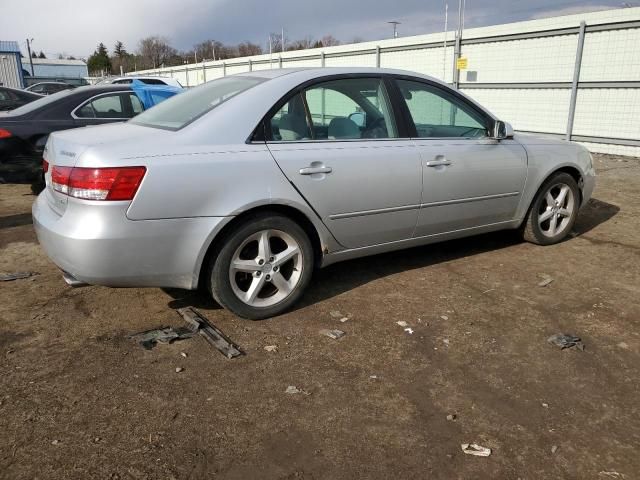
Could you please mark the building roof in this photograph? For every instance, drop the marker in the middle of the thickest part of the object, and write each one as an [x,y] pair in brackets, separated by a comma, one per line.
[9,47]
[57,61]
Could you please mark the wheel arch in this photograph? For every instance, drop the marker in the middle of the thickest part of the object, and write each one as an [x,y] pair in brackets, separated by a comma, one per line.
[291,212]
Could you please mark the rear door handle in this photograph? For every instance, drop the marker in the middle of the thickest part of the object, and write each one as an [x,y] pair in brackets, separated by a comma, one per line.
[437,163]
[312,170]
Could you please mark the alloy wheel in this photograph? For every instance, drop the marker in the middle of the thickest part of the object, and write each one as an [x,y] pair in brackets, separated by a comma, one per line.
[266,268]
[556,209]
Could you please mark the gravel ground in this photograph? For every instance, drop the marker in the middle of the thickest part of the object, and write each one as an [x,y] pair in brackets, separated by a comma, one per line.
[79,399]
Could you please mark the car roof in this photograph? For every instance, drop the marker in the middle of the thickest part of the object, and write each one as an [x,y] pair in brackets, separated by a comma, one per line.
[324,71]
[49,83]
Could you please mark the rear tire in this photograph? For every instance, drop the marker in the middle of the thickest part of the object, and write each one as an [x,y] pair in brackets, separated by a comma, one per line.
[553,211]
[262,266]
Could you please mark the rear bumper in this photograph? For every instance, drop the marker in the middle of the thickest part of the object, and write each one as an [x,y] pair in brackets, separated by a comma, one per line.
[98,245]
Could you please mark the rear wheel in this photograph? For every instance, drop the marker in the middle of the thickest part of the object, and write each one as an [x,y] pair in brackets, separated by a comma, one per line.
[262,267]
[553,211]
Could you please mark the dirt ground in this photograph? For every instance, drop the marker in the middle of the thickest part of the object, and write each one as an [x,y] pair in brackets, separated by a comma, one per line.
[79,399]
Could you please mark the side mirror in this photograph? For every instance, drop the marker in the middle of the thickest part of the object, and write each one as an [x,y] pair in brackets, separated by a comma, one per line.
[502,130]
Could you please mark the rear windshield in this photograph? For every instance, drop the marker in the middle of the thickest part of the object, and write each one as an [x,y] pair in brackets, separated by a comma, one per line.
[41,102]
[180,110]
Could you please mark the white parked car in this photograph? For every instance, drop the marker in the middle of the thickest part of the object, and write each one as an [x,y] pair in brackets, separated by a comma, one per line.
[144,79]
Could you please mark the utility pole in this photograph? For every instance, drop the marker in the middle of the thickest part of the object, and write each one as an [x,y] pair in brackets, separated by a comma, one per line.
[444,48]
[30,58]
[283,40]
[395,28]
[270,52]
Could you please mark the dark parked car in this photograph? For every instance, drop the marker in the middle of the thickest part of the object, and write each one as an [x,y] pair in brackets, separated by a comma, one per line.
[48,88]
[25,130]
[11,98]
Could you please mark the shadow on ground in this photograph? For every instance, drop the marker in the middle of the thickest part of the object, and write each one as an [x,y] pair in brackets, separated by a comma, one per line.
[343,277]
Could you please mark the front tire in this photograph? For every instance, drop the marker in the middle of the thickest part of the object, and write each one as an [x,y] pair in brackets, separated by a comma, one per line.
[553,211]
[262,267]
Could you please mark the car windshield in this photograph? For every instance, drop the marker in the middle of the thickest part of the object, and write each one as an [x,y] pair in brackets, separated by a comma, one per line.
[182,109]
[41,102]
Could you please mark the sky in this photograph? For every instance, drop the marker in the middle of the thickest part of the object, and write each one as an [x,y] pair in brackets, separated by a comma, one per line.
[75,27]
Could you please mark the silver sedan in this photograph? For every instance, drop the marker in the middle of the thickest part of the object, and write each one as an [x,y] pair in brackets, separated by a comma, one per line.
[248,183]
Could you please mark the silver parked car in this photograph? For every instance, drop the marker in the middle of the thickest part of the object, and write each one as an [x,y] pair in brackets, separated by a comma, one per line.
[247,183]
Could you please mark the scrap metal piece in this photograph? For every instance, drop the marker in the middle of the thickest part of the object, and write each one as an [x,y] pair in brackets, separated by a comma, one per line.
[334,334]
[563,340]
[150,338]
[198,323]
[16,276]
[475,450]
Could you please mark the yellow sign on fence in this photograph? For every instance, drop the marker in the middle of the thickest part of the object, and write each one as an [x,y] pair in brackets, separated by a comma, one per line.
[461,63]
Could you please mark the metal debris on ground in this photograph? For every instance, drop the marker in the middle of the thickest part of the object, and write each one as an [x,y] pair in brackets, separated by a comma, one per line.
[564,340]
[344,319]
[198,323]
[151,338]
[293,390]
[335,334]
[546,280]
[409,330]
[402,323]
[444,317]
[271,348]
[611,474]
[8,277]
[554,449]
[184,354]
[475,449]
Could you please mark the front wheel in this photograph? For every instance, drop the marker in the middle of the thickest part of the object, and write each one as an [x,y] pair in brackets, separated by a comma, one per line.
[262,267]
[553,211]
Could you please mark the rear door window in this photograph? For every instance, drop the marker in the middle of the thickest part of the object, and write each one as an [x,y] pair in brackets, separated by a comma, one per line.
[111,106]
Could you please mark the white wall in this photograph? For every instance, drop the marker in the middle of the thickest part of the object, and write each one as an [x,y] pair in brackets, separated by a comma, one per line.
[608,56]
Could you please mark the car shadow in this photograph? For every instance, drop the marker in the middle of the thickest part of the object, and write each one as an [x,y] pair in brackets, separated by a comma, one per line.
[17,220]
[345,276]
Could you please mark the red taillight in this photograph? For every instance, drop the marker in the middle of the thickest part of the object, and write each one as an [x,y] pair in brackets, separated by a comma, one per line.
[5,133]
[45,166]
[97,183]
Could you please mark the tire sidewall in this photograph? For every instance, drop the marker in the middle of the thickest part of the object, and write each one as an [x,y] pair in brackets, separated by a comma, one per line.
[220,283]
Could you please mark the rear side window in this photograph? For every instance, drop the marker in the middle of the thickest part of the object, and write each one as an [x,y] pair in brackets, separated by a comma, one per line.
[152,81]
[109,106]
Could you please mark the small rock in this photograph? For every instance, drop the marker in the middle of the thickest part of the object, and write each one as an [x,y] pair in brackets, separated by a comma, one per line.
[179,369]
[373,377]
[475,449]
[336,314]
[545,405]
[96,440]
[623,345]
[402,323]
[184,354]
[446,341]
[546,280]
[344,319]
[271,348]
[55,442]
[554,449]
[335,334]
[444,317]
[451,417]
[293,390]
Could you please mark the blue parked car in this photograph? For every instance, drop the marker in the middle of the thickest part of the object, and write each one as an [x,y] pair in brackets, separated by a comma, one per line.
[25,130]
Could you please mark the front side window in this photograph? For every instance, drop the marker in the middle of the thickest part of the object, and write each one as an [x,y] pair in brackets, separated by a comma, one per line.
[346,109]
[437,113]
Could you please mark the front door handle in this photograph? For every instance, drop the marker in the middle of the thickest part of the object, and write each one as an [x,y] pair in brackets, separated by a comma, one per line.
[312,170]
[437,163]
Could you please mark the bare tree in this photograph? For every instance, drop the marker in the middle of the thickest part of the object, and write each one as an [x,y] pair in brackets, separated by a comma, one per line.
[302,44]
[329,41]
[247,49]
[156,50]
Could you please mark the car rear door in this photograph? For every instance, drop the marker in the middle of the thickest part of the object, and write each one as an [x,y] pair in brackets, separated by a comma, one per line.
[339,143]
[107,107]
[469,179]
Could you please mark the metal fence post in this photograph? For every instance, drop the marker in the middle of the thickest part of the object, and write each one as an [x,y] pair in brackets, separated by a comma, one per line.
[576,80]
[186,74]
[250,65]
[204,73]
[224,69]
[279,62]
[322,59]
[456,55]
[378,56]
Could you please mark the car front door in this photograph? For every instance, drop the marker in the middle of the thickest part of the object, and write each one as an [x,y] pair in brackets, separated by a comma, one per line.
[339,144]
[469,179]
